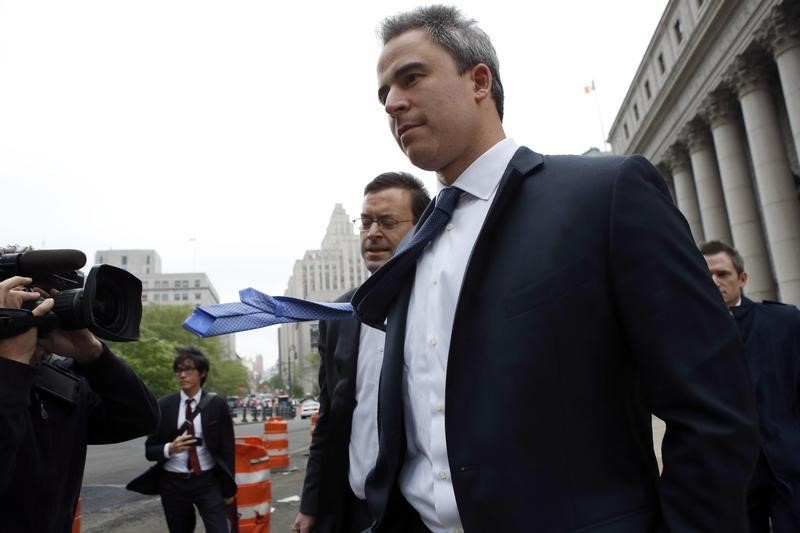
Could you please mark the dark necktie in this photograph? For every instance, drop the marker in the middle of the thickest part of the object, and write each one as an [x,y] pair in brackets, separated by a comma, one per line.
[194,460]
[372,300]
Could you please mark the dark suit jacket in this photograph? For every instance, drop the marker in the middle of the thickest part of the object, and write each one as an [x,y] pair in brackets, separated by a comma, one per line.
[585,306]
[771,334]
[326,482]
[218,438]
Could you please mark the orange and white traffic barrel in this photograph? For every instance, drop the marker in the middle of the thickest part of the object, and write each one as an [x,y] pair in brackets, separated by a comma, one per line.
[276,439]
[254,485]
[314,418]
[76,520]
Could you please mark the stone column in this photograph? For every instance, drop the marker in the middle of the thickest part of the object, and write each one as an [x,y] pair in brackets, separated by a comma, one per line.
[722,112]
[710,198]
[774,181]
[783,39]
[685,193]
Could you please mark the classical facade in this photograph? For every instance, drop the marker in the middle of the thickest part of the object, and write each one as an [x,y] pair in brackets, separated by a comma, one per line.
[715,104]
[162,288]
[321,275]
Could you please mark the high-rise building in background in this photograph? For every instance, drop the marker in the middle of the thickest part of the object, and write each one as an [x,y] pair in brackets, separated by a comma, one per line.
[715,105]
[321,275]
[159,288]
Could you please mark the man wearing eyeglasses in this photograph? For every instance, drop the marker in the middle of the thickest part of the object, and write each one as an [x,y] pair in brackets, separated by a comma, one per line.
[345,443]
[194,466]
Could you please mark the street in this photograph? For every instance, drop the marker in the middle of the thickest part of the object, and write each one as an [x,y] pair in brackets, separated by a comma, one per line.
[108,507]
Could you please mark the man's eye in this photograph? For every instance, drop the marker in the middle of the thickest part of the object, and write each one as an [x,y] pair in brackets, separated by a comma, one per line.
[411,78]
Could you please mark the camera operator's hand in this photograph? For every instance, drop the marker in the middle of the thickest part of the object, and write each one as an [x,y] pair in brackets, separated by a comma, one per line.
[13,295]
[79,344]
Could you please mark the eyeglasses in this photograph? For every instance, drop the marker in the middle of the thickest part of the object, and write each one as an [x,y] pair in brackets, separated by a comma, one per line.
[364,224]
[184,370]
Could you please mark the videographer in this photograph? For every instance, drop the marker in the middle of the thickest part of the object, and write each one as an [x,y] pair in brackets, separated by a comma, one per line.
[51,407]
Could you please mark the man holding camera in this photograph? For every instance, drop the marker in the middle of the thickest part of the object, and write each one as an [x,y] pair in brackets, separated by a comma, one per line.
[51,407]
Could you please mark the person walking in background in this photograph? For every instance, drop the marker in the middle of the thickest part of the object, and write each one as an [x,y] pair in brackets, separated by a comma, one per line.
[771,334]
[195,460]
[345,443]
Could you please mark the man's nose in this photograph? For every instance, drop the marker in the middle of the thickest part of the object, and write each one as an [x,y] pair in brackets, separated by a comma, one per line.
[395,102]
[375,230]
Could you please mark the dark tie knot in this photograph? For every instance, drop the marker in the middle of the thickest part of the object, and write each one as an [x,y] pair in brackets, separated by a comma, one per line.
[447,199]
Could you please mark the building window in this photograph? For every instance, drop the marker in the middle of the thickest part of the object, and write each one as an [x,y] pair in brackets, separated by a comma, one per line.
[124,259]
[678,29]
[177,284]
[625,128]
[196,283]
[185,296]
[662,67]
[148,260]
[636,111]
[147,270]
[197,296]
[144,297]
[176,297]
[647,92]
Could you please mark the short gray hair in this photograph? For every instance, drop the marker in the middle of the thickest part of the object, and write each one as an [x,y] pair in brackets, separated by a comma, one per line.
[466,43]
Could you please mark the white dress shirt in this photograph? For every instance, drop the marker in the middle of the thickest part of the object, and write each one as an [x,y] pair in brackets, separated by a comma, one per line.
[179,462]
[425,477]
[364,431]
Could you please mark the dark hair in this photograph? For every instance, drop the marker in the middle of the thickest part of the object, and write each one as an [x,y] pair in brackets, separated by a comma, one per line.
[196,356]
[717,247]
[466,43]
[402,180]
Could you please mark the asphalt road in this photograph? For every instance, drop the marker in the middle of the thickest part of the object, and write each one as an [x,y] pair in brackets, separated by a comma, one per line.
[108,507]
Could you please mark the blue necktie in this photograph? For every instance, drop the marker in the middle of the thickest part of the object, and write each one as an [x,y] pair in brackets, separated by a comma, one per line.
[258,310]
[372,300]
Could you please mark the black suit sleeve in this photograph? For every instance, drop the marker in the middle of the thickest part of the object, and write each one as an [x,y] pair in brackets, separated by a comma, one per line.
[688,354]
[309,503]
[227,443]
[121,407]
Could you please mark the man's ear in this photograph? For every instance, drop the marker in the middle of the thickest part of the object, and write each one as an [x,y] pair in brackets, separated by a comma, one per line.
[481,81]
[743,278]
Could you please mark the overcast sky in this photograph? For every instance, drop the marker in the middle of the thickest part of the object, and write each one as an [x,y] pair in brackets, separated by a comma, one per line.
[221,134]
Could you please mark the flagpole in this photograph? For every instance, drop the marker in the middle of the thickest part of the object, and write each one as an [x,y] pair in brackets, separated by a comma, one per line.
[593,89]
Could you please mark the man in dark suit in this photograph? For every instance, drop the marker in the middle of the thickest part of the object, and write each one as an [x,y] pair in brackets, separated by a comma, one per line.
[562,304]
[771,334]
[345,443]
[195,467]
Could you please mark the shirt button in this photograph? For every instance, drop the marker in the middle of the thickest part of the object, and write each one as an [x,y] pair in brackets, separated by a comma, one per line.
[449,226]
[433,341]
[442,474]
[438,407]
[435,281]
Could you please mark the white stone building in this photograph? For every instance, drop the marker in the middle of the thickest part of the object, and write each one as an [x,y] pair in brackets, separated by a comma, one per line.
[321,275]
[715,104]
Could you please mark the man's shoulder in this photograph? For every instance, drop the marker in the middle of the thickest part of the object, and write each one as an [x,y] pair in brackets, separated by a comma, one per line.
[169,398]
[778,310]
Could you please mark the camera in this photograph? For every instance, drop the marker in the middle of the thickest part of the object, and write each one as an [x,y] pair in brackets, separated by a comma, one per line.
[108,302]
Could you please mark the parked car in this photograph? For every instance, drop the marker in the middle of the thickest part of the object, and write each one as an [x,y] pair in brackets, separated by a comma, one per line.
[308,408]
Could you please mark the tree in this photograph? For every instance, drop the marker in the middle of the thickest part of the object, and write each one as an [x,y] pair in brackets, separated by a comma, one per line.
[161,332]
[276,383]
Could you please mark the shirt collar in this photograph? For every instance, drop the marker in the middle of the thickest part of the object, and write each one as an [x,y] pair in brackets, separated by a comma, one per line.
[196,397]
[482,177]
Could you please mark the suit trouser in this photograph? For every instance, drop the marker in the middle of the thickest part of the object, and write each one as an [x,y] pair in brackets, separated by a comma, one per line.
[771,499]
[180,493]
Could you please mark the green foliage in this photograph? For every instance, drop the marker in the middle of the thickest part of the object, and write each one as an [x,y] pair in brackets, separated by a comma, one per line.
[276,383]
[161,332]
